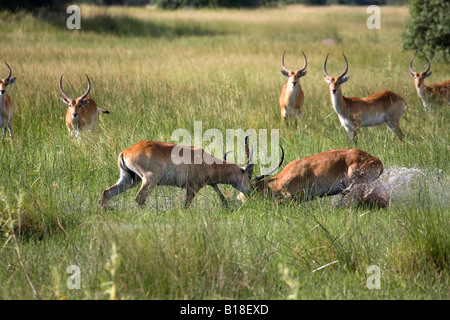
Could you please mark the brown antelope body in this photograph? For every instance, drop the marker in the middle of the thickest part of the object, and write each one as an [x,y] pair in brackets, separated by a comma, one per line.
[6,105]
[152,163]
[324,174]
[383,107]
[432,95]
[292,96]
[82,112]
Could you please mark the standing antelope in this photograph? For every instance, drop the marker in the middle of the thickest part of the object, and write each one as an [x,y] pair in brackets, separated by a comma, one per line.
[435,94]
[6,105]
[151,162]
[82,112]
[382,107]
[292,96]
[324,174]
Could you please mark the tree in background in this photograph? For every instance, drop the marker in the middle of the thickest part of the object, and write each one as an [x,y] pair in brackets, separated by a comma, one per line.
[428,28]
[15,5]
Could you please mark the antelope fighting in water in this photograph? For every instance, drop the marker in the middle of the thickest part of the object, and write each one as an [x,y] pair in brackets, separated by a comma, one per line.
[152,163]
[325,174]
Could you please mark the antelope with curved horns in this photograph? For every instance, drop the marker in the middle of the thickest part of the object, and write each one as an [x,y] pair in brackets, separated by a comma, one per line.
[6,105]
[292,96]
[382,107]
[434,94]
[151,162]
[82,112]
[324,174]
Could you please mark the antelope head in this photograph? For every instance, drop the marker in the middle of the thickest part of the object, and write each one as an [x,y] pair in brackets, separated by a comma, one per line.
[335,83]
[6,81]
[75,105]
[244,180]
[293,76]
[419,77]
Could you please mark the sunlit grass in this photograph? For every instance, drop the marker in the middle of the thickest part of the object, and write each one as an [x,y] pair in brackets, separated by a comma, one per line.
[158,71]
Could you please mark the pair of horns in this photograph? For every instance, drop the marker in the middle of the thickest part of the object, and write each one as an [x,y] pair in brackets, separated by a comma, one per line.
[249,164]
[299,70]
[83,96]
[342,74]
[411,69]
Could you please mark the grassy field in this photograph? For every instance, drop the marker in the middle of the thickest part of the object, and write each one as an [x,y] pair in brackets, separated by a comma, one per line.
[159,71]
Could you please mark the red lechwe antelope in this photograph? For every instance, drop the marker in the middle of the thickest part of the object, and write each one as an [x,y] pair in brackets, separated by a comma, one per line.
[435,94]
[292,96]
[82,112]
[382,107]
[152,163]
[6,105]
[324,174]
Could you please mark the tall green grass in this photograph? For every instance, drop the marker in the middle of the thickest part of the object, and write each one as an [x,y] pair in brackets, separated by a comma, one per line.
[159,71]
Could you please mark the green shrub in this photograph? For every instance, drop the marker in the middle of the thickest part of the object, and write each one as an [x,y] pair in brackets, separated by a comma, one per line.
[428,28]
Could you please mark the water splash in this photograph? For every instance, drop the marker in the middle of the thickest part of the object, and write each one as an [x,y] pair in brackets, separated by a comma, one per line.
[400,184]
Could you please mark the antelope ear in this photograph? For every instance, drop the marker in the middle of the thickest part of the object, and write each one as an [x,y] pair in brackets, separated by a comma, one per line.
[428,74]
[303,74]
[12,80]
[83,102]
[326,80]
[344,79]
[284,73]
[65,101]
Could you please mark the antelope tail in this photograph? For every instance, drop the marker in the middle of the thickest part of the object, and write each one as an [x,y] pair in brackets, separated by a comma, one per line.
[102,111]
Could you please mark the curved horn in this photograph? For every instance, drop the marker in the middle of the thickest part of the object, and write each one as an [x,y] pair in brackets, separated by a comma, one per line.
[88,89]
[305,64]
[410,65]
[282,63]
[225,155]
[249,154]
[262,176]
[248,151]
[60,89]
[10,72]
[325,66]
[429,66]
[346,67]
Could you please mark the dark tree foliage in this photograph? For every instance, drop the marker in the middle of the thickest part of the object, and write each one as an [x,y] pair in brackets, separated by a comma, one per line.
[315,2]
[28,5]
[428,28]
[358,2]
[123,2]
[174,4]
[15,5]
